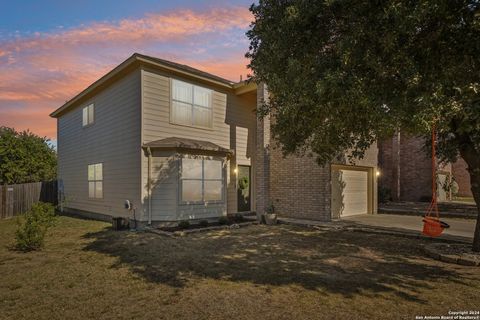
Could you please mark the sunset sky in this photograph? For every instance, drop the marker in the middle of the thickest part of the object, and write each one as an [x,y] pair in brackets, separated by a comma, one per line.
[51,50]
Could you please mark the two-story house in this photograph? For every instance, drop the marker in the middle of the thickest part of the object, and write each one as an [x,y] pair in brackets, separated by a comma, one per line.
[183,144]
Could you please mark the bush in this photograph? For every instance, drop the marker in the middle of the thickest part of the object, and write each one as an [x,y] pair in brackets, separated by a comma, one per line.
[33,226]
[425,199]
[238,217]
[270,209]
[223,220]
[203,223]
[184,224]
[384,195]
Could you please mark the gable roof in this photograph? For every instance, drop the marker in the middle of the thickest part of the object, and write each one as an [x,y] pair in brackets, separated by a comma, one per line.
[138,59]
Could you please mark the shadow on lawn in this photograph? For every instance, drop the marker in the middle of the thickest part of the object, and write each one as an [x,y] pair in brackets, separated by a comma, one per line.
[337,262]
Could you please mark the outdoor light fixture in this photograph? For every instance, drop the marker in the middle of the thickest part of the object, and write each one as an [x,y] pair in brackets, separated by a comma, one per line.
[377,173]
[235,170]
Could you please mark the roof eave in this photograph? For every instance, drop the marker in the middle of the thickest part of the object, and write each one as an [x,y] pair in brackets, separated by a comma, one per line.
[124,65]
[183,72]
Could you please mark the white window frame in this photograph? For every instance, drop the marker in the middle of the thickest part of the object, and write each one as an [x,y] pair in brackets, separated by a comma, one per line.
[191,104]
[95,181]
[88,115]
[203,201]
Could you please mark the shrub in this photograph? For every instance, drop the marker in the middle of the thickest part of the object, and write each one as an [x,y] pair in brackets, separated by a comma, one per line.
[33,226]
[384,195]
[223,220]
[238,217]
[425,199]
[270,209]
[185,224]
[203,223]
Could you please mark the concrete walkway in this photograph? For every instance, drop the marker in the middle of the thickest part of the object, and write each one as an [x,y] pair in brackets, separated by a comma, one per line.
[458,227]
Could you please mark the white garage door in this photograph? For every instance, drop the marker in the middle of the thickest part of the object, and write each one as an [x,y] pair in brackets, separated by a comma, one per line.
[349,192]
[442,194]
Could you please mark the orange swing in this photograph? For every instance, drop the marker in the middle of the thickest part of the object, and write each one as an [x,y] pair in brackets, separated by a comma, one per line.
[432,226]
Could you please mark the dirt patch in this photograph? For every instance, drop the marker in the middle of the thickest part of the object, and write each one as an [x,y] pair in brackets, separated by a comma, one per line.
[88,271]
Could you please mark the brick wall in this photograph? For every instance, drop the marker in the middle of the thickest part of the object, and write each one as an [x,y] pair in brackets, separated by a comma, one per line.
[415,170]
[389,165]
[462,177]
[300,188]
[406,168]
[297,186]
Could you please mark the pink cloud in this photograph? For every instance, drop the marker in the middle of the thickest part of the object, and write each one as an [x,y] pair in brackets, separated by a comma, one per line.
[39,73]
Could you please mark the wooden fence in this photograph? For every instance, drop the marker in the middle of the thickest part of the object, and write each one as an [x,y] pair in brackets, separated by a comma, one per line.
[18,198]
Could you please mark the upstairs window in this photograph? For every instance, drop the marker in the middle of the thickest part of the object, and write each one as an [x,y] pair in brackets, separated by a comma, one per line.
[201,180]
[191,105]
[88,115]
[95,181]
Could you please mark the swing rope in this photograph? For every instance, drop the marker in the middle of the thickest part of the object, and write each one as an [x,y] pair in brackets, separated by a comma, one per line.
[432,226]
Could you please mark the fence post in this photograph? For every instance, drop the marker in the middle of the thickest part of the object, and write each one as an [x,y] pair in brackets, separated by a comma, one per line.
[4,201]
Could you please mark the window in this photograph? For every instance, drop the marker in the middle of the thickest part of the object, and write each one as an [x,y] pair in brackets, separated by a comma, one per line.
[201,180]
[95,181]
[191,105]
[88,115]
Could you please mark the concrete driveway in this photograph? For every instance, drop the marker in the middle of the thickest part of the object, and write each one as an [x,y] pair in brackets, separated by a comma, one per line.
[458,227]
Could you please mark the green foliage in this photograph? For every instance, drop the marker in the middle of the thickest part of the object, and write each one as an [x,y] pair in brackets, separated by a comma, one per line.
[345,73]
[223,220]
[185,224]
[25,157]
[425,199]
[203,223]
[384,195]
[238,217]
[270,209]
[33,226]
[243,183]
[450,185]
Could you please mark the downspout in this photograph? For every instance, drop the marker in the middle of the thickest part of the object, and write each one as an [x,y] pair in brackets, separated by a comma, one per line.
[149,186]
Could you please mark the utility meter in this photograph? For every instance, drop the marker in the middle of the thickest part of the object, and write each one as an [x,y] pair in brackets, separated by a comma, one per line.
[128,205]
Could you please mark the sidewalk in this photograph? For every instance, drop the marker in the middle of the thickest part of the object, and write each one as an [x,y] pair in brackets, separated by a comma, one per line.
[461,230]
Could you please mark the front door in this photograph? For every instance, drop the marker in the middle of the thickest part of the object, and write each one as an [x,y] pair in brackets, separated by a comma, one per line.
[244,188]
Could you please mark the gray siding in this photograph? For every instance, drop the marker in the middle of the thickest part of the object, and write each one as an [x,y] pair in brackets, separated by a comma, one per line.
[114,140]
[233,128]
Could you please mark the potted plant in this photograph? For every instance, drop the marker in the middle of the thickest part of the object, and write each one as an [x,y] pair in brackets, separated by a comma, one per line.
[270,215]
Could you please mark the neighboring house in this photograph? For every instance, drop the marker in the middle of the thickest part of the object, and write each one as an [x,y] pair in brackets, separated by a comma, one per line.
[462,177]
[406,171]
[179,144]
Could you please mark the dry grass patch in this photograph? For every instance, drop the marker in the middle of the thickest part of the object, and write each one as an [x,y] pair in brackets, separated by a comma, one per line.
[282,272]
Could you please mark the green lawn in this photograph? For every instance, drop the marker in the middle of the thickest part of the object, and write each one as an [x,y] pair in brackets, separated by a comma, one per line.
[87,271]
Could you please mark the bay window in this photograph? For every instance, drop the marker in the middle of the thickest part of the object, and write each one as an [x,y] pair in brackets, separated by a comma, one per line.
[201,180]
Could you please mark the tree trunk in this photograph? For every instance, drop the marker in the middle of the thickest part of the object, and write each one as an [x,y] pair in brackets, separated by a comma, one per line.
[472,158]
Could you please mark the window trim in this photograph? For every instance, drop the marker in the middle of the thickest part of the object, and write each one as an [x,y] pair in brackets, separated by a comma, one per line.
[88,106]
[192,106]
[203,201]
[95,181]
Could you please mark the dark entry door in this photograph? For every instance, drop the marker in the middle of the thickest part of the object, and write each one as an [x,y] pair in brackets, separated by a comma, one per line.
[244,188]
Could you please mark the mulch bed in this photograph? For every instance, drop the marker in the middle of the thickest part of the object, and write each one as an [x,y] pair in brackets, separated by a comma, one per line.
[194,228]
[454,253]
